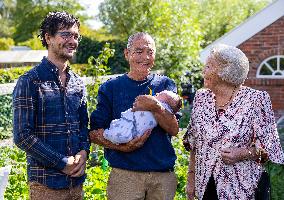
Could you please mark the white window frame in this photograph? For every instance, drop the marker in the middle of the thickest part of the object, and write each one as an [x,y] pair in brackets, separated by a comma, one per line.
[258,75]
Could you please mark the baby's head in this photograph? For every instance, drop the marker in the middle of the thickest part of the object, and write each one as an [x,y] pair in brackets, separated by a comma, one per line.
[171,98]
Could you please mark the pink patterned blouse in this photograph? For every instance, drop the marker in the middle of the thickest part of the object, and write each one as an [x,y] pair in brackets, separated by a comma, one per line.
[249,113]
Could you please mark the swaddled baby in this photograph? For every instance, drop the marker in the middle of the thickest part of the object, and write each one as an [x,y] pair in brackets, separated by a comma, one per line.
[134,124]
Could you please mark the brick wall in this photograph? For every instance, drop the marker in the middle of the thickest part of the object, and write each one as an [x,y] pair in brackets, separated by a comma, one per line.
[266,43]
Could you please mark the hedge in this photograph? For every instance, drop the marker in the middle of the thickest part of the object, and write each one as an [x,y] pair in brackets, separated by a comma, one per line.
[89,47]
[9,75]
[6,116]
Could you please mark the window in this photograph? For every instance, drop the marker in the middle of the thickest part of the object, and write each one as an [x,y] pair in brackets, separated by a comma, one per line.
[272,67]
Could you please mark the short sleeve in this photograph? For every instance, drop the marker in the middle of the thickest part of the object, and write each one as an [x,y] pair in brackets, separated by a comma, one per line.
[266,131]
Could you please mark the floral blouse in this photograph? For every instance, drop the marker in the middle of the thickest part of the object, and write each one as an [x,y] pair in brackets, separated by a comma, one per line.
[250,113]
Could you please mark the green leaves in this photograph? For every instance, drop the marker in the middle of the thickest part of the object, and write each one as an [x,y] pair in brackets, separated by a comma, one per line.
[9,75]
[97,67]
[6,116]
[17,187]
[29,14]
[173,27]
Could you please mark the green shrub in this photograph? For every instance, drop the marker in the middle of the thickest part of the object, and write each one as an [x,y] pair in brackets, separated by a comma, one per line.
[180,166]
[95,184]
[281,136]
[34,43]
[276,173]
[9,75]
[183,122]
[17,187]
[6,43]
[89,47]
[6,116]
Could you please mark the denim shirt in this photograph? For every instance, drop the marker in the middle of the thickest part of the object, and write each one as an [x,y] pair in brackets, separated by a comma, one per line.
[50,122]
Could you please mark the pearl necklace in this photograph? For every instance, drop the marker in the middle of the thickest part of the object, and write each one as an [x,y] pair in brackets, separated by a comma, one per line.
[224,105]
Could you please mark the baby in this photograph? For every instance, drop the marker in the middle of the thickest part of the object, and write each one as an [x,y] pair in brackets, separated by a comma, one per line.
[134,124]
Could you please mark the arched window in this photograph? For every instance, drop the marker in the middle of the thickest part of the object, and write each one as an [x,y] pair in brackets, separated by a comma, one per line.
[272,67]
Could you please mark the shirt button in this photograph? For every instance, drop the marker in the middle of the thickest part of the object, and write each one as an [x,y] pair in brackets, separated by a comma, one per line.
[66,113]
[68,131]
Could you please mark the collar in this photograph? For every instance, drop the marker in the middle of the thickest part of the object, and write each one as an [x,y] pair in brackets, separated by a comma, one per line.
[52,67]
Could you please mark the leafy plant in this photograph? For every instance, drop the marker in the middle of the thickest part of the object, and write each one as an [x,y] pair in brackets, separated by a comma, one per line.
[91,47]
[96,182]
[180,166]
[97,67]
[34,43]
[17,187]
[9,75]
[6,116]
[6,43]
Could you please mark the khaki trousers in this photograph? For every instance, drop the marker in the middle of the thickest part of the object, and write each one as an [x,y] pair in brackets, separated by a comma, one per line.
[131,185]
[38,191]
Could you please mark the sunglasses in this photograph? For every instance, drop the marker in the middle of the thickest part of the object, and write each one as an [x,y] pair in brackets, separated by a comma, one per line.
[66,35]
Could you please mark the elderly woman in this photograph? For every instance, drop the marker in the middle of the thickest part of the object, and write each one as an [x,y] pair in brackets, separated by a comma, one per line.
[232,129]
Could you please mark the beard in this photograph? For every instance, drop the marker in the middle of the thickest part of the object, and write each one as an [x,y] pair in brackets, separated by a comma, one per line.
[64,51]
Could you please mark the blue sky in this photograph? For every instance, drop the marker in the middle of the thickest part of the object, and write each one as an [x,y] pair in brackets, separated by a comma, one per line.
[92,10]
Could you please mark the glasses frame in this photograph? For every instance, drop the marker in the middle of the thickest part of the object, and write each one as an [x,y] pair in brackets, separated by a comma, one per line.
[67,35]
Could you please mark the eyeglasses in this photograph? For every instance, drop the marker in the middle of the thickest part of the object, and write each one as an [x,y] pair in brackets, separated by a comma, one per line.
[66,35]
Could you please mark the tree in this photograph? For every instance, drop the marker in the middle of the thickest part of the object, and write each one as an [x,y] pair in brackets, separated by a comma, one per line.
[7,7]
[180,27]
[29,14]
[170,23]
[217,17]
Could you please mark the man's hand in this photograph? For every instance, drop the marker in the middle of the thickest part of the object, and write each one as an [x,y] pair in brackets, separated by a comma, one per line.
[69,166]
[233,155]
[136,143]
[80,162]
[146,102]
[96,136]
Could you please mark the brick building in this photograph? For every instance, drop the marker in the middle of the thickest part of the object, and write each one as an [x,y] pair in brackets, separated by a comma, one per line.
[261,38]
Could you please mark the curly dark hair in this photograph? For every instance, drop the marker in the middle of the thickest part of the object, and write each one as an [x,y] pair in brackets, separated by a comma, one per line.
[55,21]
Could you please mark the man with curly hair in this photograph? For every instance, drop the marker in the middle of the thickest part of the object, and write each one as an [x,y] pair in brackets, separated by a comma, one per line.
[50,115]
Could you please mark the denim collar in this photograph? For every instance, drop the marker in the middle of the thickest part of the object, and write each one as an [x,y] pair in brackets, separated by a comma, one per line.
[54,70]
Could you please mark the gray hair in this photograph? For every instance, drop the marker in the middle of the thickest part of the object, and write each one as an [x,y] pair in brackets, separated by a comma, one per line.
[233,63]
[135,36]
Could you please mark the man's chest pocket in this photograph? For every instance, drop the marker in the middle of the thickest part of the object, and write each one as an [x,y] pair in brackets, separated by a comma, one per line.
[51,99]
[74,102]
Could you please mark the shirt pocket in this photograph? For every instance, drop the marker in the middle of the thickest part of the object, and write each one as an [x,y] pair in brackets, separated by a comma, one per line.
[53,107]
[74,101]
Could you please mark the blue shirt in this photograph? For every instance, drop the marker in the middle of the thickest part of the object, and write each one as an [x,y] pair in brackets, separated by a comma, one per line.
[118,95]
[50,122]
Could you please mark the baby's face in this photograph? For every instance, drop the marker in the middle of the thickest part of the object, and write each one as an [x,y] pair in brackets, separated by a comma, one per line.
[169,98]
[163,97]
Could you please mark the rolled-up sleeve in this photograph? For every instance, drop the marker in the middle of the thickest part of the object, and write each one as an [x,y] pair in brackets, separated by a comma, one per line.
[266,131]
[24,108]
